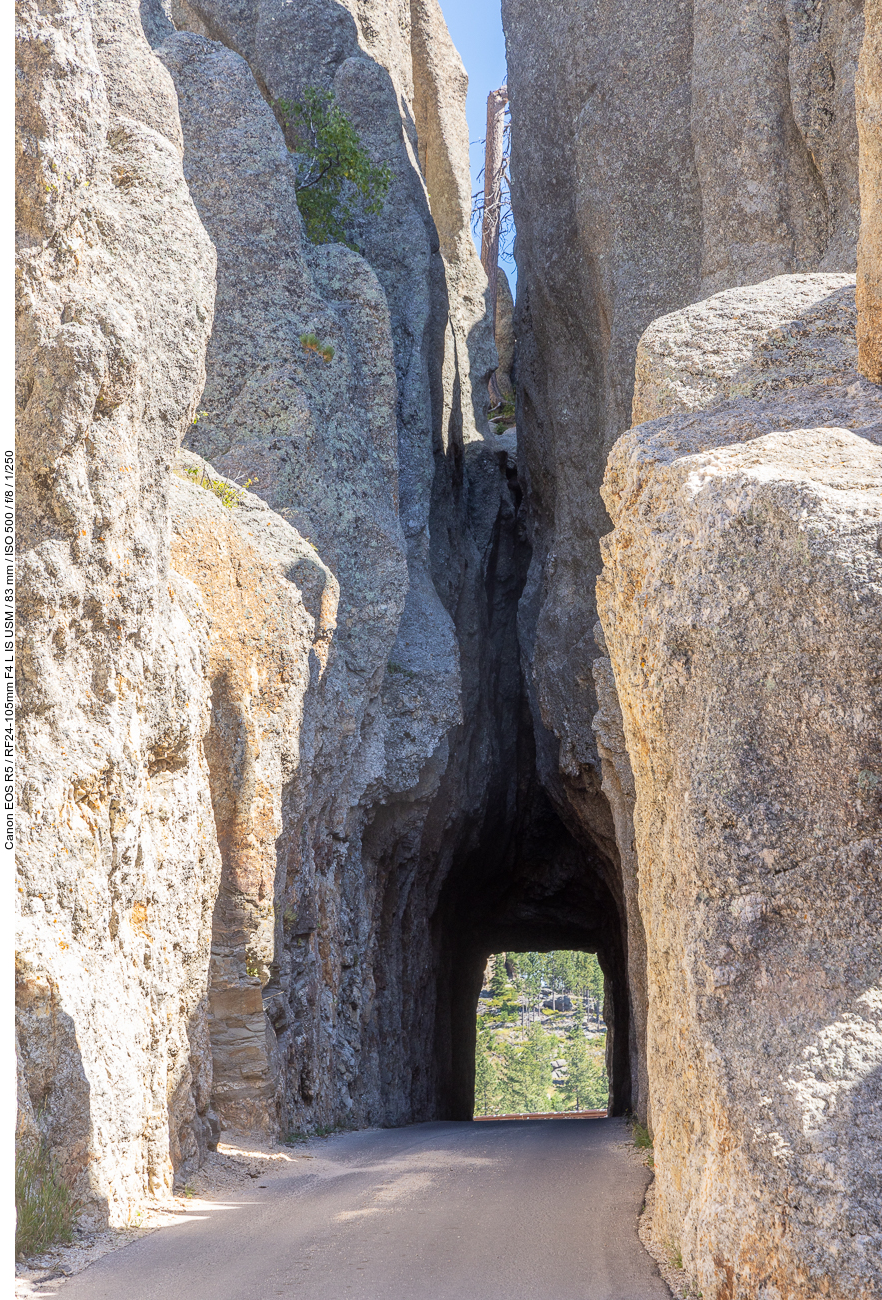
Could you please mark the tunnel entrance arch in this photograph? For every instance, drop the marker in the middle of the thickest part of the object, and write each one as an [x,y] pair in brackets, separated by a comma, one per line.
[533,889]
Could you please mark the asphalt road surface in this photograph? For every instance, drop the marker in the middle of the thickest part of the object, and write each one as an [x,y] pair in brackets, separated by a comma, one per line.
[513,1210]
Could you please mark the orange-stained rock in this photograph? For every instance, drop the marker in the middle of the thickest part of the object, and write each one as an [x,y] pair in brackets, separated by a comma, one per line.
[868,93]
[271,607]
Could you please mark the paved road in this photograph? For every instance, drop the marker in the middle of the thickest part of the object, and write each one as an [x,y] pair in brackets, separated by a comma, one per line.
[517,1210]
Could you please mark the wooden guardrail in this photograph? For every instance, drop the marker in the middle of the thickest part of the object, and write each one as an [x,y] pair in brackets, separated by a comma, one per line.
[550,1114]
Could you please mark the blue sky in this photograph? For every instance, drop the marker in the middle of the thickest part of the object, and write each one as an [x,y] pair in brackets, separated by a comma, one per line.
[476,28]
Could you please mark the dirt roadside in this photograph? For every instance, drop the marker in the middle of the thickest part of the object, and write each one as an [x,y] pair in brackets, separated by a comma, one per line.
[239,1161]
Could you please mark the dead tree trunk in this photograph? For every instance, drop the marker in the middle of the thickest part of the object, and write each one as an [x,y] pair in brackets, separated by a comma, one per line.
[493,151]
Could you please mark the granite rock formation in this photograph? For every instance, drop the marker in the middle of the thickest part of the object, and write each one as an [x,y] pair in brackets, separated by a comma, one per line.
[317,711]
[740,601]
[382,459]
[248,735]
[118,862]
[869,122]
[504,335]
[272,611]
[345,452]
[631,200]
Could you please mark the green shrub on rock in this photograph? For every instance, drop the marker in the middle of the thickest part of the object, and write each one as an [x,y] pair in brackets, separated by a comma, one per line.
[336,180]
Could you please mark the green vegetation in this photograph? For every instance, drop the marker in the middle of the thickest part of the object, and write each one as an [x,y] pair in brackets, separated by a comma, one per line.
[585,1086]
[312,343]
[533,1058]
[46,1209]
[295,1136]
[336,181]
[228,495]
[393,667]
[643,1141]
[503,415]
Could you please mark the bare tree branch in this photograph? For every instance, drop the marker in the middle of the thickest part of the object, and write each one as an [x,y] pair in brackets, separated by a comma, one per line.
[494,169]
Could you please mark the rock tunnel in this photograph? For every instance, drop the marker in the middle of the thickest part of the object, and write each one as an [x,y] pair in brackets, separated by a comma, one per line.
[330,686]
[548,892]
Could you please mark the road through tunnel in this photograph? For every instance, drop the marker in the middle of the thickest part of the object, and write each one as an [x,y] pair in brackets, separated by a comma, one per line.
[508,858]
[531,864]
[544,892]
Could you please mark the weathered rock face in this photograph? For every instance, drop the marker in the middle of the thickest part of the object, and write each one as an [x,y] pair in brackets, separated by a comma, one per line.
[740,599]
[295,759]
[118,860]
[869,122]
[379,459]
[632,197]
[754,342]
[395,71]
[322,445]
[504,333]
[272,607]
[288,737]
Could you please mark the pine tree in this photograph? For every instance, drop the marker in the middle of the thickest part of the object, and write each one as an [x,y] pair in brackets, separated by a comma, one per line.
[336,182]
[585,1087]
[499,984]
[486,1074]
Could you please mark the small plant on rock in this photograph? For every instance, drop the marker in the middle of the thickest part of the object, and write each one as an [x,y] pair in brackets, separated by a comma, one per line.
[312,343]
[503,415]
[643,1141]
[336,180]
[226,493]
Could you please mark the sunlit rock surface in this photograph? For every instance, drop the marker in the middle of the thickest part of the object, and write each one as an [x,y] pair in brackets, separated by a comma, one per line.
[260,727]
[346,453]
[315,714]
[272,608]
[869,124]
[741,600]
[118,862]
[660,153]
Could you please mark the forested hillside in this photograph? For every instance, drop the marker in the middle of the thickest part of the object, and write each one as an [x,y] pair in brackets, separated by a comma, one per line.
[541,1041]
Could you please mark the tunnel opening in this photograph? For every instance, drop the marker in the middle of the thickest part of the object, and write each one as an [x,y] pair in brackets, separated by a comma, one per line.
[531,863]
[541,1037]
[532,887]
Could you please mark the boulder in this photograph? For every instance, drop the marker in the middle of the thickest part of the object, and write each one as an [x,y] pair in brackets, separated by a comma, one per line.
[558,1003]
[740,603]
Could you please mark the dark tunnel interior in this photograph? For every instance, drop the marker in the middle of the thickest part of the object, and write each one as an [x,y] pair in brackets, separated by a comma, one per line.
[544,892]
[521,877]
